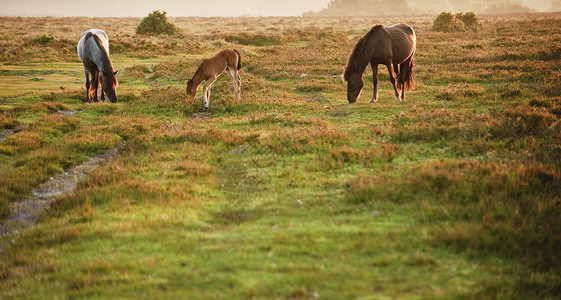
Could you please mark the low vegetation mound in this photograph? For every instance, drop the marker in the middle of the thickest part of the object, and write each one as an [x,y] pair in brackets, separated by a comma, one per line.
[43,39]
[449,22]
[508,8]
[416,7]
[156,23]
[364,8]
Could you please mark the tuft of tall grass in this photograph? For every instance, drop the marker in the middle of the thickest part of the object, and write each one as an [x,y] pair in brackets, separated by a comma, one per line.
[22,141]
[43,39]
[512,207]
[136,72]
[523,120]
[382,153]
[301,140]
[8,122]
[256,39]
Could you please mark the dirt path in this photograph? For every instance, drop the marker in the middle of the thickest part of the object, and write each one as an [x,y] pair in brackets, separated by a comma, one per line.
[26,213]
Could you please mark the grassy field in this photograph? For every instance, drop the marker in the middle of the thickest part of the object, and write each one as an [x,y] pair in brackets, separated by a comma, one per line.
[289,192]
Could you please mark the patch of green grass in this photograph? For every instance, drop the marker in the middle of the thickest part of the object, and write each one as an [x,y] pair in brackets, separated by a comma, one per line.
[289,192]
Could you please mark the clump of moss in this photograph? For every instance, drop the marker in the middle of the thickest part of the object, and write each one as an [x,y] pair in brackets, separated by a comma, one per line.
[156,23]
[42,39]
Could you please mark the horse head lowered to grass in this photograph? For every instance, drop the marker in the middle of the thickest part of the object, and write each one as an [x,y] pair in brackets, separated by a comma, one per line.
[93,51]
[392,46]
[209,70]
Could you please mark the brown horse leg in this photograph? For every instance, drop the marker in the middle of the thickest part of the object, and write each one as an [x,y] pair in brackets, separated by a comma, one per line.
[392,79]
[403,66]
[375,81]
[396,70]
[101,86]
[87,85]
[95,83]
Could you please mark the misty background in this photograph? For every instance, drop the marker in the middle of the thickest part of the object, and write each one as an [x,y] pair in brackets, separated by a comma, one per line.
[229,8]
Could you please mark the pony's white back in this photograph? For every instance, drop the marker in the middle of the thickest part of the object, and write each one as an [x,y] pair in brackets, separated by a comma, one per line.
[102,37]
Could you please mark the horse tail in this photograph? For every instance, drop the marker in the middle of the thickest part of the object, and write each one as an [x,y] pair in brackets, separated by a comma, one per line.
[406,75]
[87,36]
[239,66]
[98,42]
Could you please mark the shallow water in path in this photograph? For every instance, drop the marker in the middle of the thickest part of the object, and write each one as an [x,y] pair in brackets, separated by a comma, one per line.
[25,213]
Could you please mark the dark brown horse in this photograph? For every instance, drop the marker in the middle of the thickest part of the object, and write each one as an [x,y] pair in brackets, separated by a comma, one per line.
[393,46]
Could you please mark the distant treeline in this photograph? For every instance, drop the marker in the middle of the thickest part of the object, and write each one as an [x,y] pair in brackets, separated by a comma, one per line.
[400,7]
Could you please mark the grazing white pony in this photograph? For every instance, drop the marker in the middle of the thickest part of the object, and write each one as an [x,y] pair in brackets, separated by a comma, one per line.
[93,51]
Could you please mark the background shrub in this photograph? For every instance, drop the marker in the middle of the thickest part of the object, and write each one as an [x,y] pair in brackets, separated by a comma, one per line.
[470,20]
[156,23]
[449,22]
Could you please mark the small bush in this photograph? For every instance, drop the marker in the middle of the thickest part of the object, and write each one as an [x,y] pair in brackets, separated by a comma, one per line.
[156,23]
[448,22]
[471,21]
[43,39]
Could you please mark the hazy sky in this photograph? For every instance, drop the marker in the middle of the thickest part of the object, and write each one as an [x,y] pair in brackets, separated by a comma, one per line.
[174,8]
[180,8]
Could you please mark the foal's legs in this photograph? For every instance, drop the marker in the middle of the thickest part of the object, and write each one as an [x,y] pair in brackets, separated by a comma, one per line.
[392,79]
[206,91]
[239,83]
[375,81]
[236,80]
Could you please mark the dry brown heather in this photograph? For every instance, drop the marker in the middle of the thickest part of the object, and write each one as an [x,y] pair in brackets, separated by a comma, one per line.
[289,192]
[197,36]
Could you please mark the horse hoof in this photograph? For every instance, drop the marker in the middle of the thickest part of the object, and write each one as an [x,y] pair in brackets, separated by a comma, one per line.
[372,100]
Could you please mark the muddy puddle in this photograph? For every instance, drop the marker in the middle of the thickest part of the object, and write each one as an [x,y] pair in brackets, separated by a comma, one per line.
[202,116]
[6,132]
[25,213]
[69,113]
